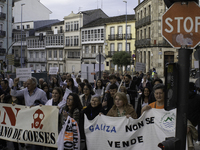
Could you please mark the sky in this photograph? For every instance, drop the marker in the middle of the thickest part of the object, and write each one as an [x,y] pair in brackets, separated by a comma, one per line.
[61,8]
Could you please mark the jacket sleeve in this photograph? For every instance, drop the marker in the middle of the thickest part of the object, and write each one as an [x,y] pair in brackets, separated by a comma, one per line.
[16,93]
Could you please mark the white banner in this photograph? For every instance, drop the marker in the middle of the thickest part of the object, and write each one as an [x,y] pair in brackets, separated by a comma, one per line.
[109,133]
[36,125]
[53,70]
[23,74]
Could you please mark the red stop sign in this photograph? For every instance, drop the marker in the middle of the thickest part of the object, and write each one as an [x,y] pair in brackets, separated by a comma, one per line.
[181,25]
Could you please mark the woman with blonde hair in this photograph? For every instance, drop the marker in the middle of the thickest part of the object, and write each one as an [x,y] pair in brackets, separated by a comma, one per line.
[121,107]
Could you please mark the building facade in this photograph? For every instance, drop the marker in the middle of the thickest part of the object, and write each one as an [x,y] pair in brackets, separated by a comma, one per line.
[152,49]
[116,40]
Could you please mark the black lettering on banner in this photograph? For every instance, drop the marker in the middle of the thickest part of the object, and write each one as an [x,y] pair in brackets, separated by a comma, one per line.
[134,127]
[133,141]
[25,135]
[41,135]
[110,143]
[125,143]
[53,138]
[140,139]
[117,144]
[47,137]
[30,135]
[15,133]
[35,133]
[150,120]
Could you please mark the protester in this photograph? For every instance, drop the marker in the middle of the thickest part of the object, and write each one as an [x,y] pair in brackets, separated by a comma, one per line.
[87,95]
[10,81]
[31,93]
[41,81]
[45,88]
[137,80]
[143,100]
[99,88]
[105,78]
[123,90]
[72,108]
[71,86]
[113,80]
[80,88]
[121,107]
[5,89]
[144,83]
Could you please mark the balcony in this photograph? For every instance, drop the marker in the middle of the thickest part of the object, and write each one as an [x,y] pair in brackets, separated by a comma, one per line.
[2,16]
[164,43]
[76,57]
[111,53]
[2,50]
[143,43]
[143,22]
[111,37]
[89,55]
[3,1]
[37,60]
[2,34]
[119,36]
[129,36]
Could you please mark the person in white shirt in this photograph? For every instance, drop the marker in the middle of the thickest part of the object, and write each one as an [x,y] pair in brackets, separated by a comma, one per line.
[10,81]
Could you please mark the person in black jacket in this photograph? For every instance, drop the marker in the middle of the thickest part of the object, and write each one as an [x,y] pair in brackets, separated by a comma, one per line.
[93,109]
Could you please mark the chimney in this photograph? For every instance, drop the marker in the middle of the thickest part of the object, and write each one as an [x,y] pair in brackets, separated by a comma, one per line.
[138,2]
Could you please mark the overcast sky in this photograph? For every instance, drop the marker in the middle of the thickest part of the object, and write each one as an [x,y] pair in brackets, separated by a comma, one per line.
[61,8]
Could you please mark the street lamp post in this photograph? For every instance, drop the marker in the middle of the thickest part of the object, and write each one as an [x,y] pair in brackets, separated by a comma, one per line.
[125,1]
[21,35]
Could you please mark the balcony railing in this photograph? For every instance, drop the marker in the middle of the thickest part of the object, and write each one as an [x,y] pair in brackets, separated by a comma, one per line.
[2,50]
[129,36]
[3,1]
[143,43]
[77,57]
[164,43]
[119,36]
[2,34]
[111,37]
[2,16]
[111,53]
[142,22]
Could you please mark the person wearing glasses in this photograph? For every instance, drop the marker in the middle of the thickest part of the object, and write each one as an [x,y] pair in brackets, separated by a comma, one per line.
[31,94]
[87,95]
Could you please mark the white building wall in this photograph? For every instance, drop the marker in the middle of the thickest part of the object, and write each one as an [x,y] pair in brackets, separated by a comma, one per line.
[32,10]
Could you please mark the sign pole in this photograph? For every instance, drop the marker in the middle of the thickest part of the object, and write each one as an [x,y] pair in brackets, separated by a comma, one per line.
[99,65]
[183,95]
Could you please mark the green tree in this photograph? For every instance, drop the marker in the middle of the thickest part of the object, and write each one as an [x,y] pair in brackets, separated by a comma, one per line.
[122,58]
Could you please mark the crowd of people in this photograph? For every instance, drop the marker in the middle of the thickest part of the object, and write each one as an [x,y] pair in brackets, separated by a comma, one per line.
[114,95]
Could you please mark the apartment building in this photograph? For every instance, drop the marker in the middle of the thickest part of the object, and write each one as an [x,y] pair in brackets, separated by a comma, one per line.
[116,39]
[73,24]
[152,49]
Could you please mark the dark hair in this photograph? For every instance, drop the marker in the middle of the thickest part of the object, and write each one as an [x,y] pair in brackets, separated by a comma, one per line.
[101,84]
[59,90]
[143,96]
[47,93]
[159,86]
[128,76]
[86,81]
[112,77]
[159,80]
[76,103]
[90,88]
[82,86]
[5,81]
[192,87]
[55,84]
[71,80]
[78,80]
[113,86]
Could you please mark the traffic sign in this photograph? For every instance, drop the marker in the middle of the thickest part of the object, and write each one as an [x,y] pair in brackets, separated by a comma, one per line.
[181,25]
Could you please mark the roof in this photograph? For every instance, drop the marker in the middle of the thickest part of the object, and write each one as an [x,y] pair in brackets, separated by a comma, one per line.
[48,26]
[103,21]
[90,12]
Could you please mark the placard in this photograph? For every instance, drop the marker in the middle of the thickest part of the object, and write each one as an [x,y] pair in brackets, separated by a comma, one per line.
[23,74]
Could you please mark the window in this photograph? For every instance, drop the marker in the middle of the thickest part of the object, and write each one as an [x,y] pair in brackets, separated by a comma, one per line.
[76,25]
[83,36]
[102,34]
[149,32]
[67,26]
[86,49]
[42,54]
[16,53]
[50,65]
[128,47]
[120,30]
[76,40]
[23,52]
[27,26]
[144,33]
[36,54]
[119,47]
[31,54]
[61,29]
[112,30]
[112,47]
[93,49]
[73,54]
[50,54]
[101,49]
[67,41]
[128,29]
[18,27]
[72,26]
[60,53]
[1,8]
[1,27]
[61,68]
[55,53]
[71,41]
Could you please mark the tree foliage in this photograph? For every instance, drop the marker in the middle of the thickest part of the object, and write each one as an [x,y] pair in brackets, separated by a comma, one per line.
[121,58]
